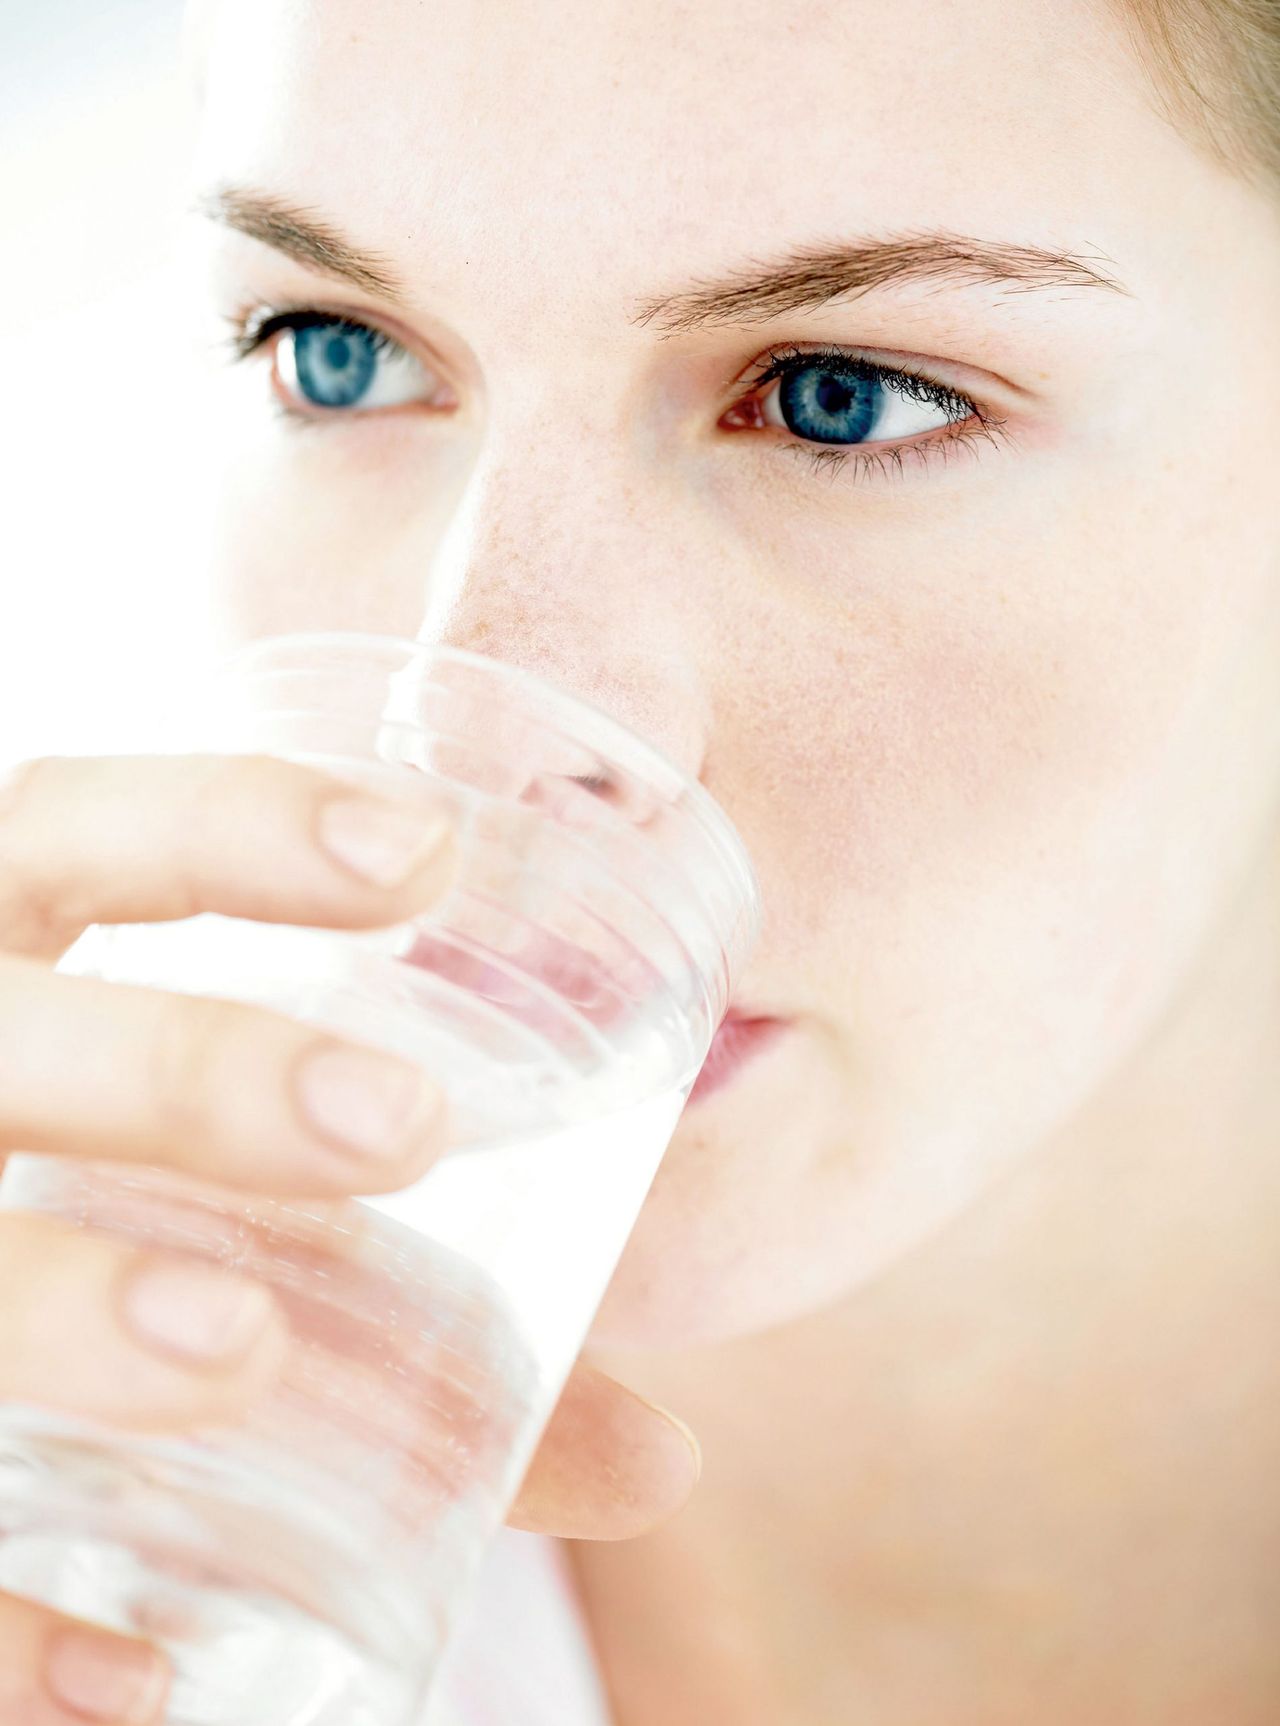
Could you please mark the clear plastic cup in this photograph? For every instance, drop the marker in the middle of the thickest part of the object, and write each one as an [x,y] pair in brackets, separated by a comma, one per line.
[307,1566]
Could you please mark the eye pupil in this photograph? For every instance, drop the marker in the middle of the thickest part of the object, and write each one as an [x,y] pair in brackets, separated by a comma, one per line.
[833,396]
[338,352]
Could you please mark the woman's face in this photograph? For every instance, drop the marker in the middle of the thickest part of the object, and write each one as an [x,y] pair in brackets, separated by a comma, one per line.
[982,667]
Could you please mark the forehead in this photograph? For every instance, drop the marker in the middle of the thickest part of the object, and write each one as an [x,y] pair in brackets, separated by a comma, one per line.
[590,137]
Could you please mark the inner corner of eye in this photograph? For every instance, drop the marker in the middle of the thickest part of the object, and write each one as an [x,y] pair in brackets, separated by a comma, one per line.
[747,414]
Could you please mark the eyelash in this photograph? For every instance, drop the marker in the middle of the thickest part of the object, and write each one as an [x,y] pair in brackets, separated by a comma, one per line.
[252,330]
[970,424]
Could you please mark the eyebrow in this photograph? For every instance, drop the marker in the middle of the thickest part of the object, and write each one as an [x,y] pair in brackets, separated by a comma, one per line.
[303,235]
[812,277]
[801,280]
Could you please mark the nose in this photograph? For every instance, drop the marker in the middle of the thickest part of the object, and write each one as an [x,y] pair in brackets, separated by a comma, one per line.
[569,581]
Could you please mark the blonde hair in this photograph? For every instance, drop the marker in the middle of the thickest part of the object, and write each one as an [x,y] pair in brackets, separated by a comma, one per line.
[1215,66]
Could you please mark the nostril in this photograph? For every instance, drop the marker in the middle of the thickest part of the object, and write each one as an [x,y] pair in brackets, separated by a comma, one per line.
[622,792]
[619,791]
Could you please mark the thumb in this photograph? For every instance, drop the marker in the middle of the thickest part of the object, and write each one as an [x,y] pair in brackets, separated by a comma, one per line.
[610,1464]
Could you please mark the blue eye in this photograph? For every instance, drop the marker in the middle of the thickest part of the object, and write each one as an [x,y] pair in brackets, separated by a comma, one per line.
[333,364]
[847,400]
[844,409]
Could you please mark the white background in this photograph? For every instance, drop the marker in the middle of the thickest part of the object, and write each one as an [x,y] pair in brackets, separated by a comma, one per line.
[103,593]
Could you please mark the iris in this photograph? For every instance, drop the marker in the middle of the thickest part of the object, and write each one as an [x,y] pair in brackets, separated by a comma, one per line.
[829,406]
[335,363]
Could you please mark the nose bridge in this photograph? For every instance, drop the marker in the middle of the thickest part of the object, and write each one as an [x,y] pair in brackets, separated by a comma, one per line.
[555,570]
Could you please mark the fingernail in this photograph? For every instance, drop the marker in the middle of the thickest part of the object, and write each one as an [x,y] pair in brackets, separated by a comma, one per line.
[376,1105]
[196,1310]
[378,841]
[103,1677]
[684,1431]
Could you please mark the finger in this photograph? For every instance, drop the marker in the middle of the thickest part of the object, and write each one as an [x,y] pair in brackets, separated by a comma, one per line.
[128,839]
[60,1671]
[234,1092]
[609,1466]
[152,1340]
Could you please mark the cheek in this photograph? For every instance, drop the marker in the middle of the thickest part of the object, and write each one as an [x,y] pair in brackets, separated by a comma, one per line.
[985,853]
[877,763]
[967,909]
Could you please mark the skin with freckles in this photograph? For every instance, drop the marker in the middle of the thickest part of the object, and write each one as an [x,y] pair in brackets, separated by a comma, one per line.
[966,1283]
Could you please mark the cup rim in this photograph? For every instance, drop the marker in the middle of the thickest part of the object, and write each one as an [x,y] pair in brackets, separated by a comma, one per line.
[730,847]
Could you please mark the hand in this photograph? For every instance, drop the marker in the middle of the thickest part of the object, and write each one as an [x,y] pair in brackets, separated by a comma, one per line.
[111,1071]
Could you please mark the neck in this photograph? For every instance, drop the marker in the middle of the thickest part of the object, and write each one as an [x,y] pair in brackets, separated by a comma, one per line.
[1028,1473]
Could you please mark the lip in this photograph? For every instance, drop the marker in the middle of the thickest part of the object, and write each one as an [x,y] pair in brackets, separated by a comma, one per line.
[739,1039]
[593,992]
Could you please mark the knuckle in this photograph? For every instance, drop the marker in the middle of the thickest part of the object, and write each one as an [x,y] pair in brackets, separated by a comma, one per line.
[209,780]
[227,778]
[275,779]
[186,1053]
[205,794]
[224,794]
[18,786]
[34,917]
[34,912]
